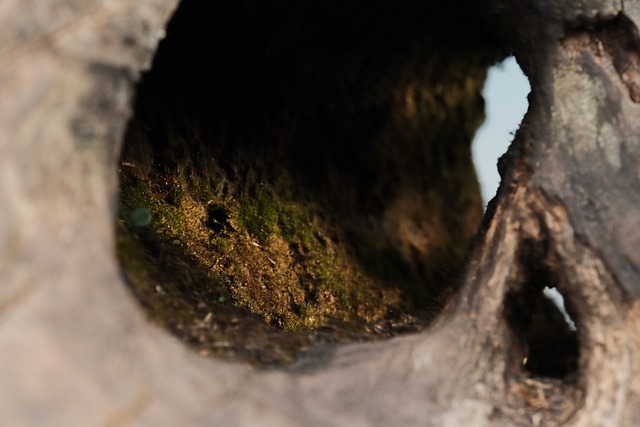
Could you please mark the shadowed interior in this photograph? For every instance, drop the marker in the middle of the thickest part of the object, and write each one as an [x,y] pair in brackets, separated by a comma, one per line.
[545,336]
[300,172]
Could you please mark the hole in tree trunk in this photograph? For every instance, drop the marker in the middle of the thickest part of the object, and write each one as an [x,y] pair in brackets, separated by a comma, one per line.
[551,342]
[545,334]
[302,174]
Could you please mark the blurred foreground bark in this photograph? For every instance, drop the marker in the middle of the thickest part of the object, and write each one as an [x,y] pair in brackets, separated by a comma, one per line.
[76,349]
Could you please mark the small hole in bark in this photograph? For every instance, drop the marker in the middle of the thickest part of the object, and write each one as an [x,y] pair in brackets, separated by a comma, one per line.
[217,218]
[546,336]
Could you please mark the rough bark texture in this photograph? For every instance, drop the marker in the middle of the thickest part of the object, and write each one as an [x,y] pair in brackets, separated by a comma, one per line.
[77,350]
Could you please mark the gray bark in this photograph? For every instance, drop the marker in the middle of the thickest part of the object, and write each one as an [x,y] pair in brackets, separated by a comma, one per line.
[75,348]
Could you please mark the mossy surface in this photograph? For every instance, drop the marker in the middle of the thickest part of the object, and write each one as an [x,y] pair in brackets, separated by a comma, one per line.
[321,191]
[252,279]
[264,254]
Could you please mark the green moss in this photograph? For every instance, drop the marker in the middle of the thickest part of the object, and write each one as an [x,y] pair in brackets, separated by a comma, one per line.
[259,212]
[268,255]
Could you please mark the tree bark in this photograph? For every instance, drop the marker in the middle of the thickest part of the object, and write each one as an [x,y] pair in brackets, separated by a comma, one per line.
[564,214]
[77,350]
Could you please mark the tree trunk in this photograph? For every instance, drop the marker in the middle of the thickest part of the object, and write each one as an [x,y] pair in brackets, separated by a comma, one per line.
[77,348]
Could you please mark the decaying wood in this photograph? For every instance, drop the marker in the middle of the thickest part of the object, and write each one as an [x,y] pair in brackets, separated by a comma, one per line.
[76,350]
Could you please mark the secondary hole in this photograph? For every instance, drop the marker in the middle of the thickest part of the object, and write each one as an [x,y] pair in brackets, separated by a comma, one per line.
[545,335]
[551,342]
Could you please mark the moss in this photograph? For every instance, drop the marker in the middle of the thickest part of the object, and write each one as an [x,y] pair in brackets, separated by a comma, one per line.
[259,214]
[268,254]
